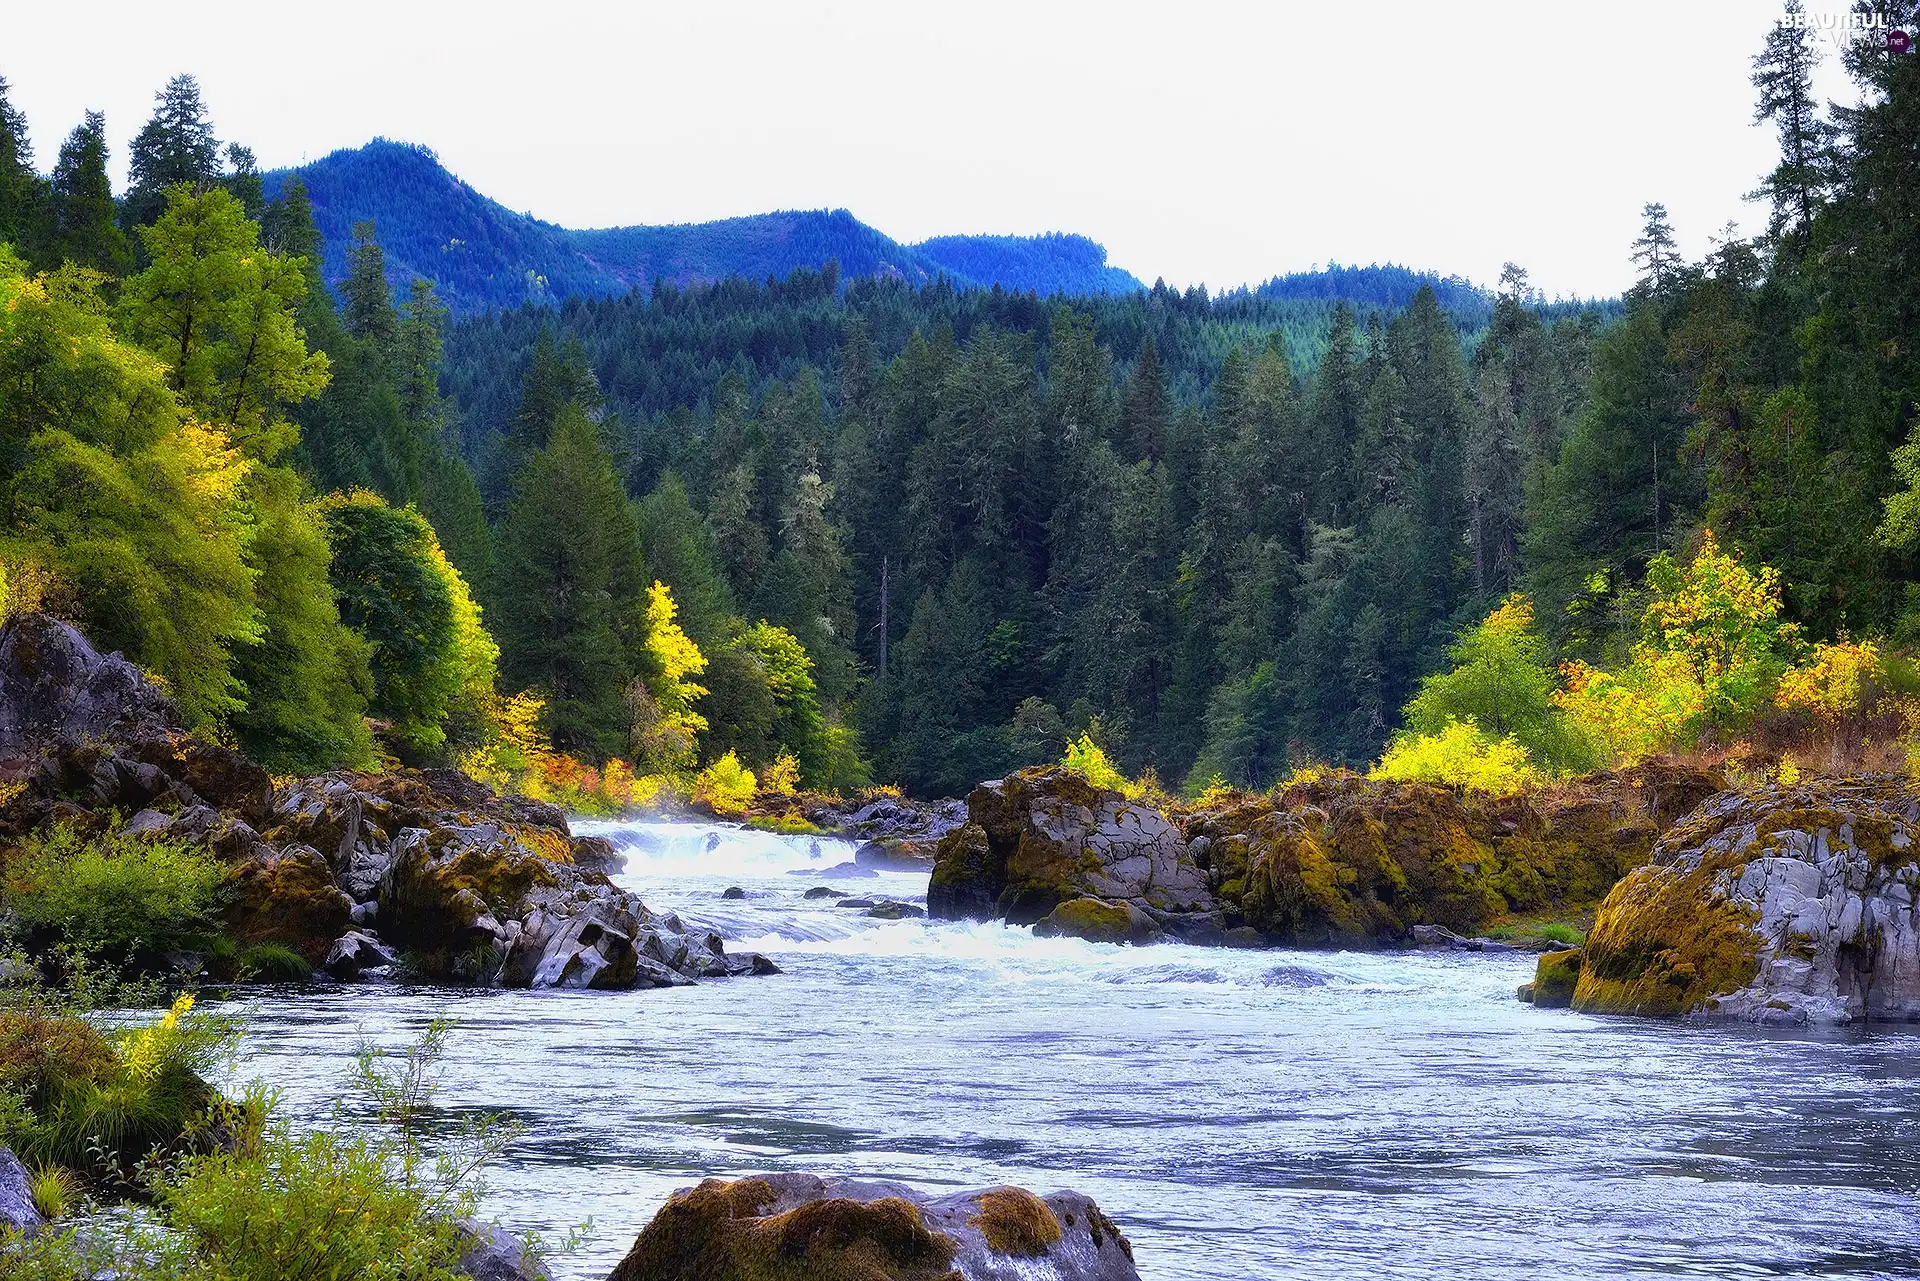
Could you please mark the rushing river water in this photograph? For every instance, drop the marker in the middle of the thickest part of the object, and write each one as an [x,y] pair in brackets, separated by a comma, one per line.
[1270,1115]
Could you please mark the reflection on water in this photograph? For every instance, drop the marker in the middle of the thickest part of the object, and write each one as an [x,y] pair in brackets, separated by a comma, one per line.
[1242,1114]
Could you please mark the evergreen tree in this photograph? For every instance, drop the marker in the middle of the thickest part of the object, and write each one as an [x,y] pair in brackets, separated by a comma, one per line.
[83,208]
[1655,252]
[175,146]
[23,198]
[571,611]
[1783,74]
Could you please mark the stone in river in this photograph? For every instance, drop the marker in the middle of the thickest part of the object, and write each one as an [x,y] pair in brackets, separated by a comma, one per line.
[797,1227]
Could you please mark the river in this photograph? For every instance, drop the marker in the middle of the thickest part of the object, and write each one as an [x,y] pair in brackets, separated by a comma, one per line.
[1241,1114]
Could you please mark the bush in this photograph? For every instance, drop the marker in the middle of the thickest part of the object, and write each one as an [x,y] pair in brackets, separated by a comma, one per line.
[1460,755]
[1085,757]
[121,899]
[101,1101]
[726,786]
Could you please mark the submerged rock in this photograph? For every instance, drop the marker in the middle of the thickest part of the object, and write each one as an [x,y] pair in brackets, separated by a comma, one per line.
[1783,905]
[1098,921]
[797,1227]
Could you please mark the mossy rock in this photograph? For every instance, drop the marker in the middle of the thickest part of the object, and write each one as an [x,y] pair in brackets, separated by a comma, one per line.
[1016,1222]
[1555,977]
[1098,921]
[722,1230]
[289,899]
[1666,942]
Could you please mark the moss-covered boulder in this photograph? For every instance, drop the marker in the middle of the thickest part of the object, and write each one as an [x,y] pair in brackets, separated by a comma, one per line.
[1098,921]
[1041,837]
[287,897]
[796,1227]
[1785,905]
[1555,976]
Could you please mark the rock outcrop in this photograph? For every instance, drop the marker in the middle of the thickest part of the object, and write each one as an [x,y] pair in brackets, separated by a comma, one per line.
[796,1227]
[1339,860]
[355,871]
[1786,905]
[1042,837]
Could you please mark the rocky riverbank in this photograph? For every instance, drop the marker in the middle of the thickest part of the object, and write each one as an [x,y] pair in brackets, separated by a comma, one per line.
[1782,905]
[1340,860]
[356,872]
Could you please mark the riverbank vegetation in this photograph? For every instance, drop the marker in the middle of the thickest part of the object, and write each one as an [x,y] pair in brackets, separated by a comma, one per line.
[145,1169]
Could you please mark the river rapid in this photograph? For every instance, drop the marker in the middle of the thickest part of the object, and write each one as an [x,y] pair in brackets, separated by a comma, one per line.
[1260,1115]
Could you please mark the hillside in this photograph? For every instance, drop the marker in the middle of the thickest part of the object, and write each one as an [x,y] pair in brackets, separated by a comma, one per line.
[482,255]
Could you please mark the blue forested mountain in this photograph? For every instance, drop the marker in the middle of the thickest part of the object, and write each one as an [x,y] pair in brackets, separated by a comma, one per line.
[481,255]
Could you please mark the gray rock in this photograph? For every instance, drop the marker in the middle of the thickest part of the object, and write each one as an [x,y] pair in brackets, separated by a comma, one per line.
[1040,838]
[355,953]
[823,891]
[891,911]
[497,1255]
[735,892]
[16,1198]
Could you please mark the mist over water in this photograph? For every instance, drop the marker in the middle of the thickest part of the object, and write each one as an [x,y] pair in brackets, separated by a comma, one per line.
[1240,1114]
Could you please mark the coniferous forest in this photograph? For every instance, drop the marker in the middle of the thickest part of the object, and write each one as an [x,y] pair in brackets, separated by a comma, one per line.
[915,532]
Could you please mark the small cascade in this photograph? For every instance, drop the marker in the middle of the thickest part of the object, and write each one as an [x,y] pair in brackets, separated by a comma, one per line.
[656,850]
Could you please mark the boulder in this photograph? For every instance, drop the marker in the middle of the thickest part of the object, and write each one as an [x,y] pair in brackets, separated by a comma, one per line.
[288,897]
[1098,921]
[1787,905]
[356,952]
[495,1254]
[897,855]
[1555,977]
[55,688]
[735,892]
[17,1212]
[797,1227]
[892,911]
[1041,837]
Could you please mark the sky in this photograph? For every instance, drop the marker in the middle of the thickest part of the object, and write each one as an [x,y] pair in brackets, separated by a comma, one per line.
[1200,142]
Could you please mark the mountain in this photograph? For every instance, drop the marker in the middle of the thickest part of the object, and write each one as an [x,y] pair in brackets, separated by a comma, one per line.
[481,255]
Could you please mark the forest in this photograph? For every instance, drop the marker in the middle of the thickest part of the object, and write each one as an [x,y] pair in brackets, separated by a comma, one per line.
[838,530]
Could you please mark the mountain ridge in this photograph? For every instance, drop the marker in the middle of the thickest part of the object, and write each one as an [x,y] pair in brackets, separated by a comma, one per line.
[482,255]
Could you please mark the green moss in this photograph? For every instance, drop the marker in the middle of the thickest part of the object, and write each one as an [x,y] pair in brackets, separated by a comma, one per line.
[1015,1221]
[1554,979]
[720,1229]
[1092,919]
[1666,942]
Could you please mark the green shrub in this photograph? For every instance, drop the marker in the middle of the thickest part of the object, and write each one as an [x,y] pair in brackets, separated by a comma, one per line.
[100,1101]
[324,1204]
[118,898]
[1462,756]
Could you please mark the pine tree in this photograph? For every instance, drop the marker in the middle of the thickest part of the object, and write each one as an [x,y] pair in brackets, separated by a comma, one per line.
[1145,408]
[366,300]
[23,199]
[1783,74]
[83,208]
[1655,252]
[175,146]
[571,613]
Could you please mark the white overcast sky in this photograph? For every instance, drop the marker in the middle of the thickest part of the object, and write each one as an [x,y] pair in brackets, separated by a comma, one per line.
[1202,142]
